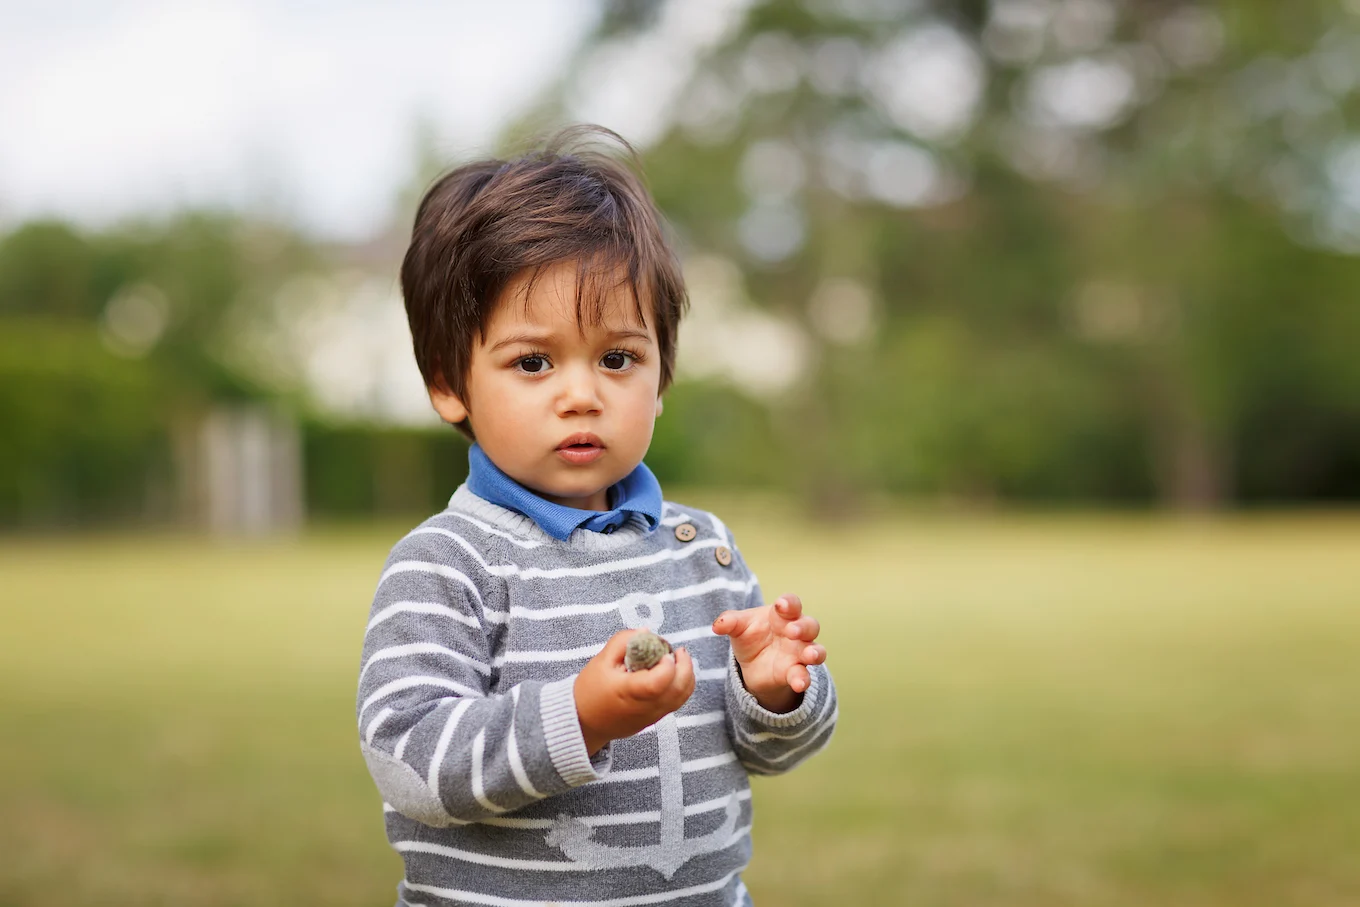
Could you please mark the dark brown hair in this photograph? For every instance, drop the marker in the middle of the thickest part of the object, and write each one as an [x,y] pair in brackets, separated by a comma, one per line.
[483,223]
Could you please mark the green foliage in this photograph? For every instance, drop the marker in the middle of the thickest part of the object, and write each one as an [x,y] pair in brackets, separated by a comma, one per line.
[86,432]
[1157,302]
[109,344]
[947,414]
[47,268]
[353,470]
[1154,304]
[709,434]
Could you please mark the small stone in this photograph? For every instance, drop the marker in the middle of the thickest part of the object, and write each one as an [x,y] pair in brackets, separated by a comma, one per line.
[645,650]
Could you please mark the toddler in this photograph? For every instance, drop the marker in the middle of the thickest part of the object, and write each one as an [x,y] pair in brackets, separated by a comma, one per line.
[518,761]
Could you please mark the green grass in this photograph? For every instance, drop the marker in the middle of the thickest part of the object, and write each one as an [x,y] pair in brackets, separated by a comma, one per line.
[1035,711]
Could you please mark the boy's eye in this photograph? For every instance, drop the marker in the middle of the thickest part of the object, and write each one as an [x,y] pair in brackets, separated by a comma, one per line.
[617,360]
[533,364]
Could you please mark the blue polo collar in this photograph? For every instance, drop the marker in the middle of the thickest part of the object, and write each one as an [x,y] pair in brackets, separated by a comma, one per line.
[638,492]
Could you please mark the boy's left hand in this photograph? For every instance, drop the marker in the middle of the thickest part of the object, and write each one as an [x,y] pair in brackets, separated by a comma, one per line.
[773,646]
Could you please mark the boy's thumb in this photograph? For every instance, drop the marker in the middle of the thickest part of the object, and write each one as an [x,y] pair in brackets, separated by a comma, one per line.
[616,647]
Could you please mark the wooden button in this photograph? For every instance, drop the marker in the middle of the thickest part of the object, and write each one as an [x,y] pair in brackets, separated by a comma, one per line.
[686,532]
[723,554]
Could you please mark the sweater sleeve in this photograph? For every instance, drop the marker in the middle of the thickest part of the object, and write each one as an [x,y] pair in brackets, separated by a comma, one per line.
[770,743]
[443,748]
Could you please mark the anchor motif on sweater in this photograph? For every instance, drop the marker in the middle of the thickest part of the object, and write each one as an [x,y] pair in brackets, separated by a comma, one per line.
[573,837]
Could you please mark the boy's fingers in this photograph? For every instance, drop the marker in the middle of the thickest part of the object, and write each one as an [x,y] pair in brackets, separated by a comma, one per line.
[813,655]
[798,678]
[654,681]
[616,648]
[683,683]
[684,665]
[805,628]
[730,623]
[790,607]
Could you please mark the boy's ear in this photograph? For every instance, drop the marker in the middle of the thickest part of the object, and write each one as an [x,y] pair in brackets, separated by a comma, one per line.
[448,405]
[660,404]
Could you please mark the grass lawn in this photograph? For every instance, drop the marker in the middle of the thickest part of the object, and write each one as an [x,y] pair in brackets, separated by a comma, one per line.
[1035,711]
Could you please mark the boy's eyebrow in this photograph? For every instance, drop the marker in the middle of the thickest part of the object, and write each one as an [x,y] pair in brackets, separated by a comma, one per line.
[531,339]
[630,333]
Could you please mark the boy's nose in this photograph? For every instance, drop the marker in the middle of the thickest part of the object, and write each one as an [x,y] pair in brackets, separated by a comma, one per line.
[579,392]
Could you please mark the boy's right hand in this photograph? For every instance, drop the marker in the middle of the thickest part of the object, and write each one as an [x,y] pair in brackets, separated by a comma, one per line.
[612,702]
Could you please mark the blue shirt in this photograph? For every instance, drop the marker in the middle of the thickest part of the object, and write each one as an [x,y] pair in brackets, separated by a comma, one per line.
[638,492]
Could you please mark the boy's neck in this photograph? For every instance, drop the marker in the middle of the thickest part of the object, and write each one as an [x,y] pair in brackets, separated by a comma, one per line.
[638,493]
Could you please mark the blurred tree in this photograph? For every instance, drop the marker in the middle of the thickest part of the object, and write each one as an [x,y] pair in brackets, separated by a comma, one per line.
[83,437]
[1022,249]
[110,344]
[46,268]
[1038,248]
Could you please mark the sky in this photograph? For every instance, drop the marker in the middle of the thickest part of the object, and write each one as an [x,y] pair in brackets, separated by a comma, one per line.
[308,110]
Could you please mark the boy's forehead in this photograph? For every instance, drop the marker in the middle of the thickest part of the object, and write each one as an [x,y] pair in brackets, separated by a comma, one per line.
[554,301]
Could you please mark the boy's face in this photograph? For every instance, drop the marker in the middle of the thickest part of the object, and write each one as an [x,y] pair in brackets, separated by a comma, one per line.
[562,410]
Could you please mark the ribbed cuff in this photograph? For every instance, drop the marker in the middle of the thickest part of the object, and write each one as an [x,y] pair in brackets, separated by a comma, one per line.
[756,712]
[562,731]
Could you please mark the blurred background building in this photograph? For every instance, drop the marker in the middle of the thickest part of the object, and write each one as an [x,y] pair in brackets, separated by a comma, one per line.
[1023,251]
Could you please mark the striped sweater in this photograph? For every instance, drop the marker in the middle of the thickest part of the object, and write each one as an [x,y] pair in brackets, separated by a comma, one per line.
[468,724]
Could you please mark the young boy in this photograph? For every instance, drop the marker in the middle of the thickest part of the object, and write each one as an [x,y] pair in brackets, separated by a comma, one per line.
[518,761]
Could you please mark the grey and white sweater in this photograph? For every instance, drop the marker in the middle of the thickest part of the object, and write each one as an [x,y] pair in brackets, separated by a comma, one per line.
[468,723]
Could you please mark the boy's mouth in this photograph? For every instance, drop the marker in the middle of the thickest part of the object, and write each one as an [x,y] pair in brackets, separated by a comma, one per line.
[580,448]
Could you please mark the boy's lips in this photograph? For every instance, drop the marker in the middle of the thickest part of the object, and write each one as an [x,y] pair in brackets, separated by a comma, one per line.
[581,448]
